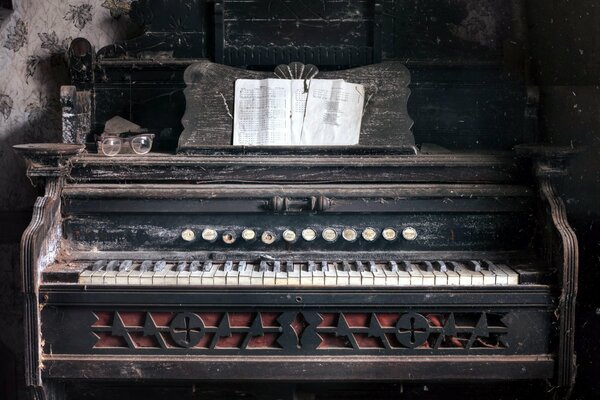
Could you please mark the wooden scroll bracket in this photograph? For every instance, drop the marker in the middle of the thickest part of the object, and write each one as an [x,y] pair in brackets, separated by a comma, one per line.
[39,246]
[208,118]
[561,250]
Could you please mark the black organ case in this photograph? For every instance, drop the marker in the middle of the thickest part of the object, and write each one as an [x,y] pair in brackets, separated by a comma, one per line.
[442,256]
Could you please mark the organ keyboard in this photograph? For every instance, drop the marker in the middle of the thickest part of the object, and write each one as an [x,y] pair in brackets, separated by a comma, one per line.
[286,273]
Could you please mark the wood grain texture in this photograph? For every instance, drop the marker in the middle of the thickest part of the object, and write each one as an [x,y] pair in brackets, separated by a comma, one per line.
[208,120]
[564,254]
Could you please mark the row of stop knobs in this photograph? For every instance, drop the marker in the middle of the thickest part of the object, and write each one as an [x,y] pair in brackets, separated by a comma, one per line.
[309,234]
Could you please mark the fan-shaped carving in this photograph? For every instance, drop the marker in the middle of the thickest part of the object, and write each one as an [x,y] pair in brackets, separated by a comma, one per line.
[296,70]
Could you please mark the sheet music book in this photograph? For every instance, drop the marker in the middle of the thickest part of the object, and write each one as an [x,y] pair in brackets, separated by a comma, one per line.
[289,112]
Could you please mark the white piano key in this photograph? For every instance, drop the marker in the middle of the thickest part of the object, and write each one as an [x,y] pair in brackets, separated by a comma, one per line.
[183,278]
[171,275]
[268,274]
[476,275]
[220,276]
[512,276]
[453,279]
[97,277]
[306,276]
[85,277]
[134,277]
[293,272]
[330,273]
[343,278]
[391,274]
[143,276]
[232,277]
[183,275]
[208,276]
[379,278]
[499,274]
[428,276]
[110,278]
[489,277]
[256,278]
[404,278]
[245,273]
[440,277]
[159,273]
[112,269]
[354,276]
[281,276]
[318,276]
[416,278]
[464,274]
[196,273]
[366,276]
[125,269]
[146,278]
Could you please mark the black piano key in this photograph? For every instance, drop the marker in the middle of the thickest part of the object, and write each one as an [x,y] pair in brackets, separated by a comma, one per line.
[242,265]
[428,266]
[181,266]
[98,265]
[277,266]
[441,265]
[112,265]
[359,266]
[312,266]
[346,266]
[490,265]
[160,266]
[146,265]
[263,266]
[289,266]
[393,266]
[324,266]
[474,265]
[228,266]
[126,266]
[194,266]
[454,266]
[407,266]
[373,266]
[207,266]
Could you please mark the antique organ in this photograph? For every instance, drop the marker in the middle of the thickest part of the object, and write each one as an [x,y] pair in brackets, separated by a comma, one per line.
[434,255]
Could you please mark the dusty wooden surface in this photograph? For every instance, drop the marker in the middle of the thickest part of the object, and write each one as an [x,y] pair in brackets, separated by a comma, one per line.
[208,120]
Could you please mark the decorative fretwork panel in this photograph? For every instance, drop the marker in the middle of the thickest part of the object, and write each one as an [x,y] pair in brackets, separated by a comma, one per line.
[299,331]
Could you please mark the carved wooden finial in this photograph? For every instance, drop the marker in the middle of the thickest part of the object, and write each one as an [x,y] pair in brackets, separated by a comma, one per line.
[296,70]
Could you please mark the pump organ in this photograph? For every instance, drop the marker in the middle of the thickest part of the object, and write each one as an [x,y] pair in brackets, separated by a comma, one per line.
[451,262]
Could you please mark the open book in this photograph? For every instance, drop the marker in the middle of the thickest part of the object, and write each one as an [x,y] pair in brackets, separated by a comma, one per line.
[286,112]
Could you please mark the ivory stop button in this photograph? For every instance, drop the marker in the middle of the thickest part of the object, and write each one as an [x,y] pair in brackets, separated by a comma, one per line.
[369,234]
[389,234]
[330,235]
[188,235]
[409,233]
[289,236]
[309,234]
[210,235]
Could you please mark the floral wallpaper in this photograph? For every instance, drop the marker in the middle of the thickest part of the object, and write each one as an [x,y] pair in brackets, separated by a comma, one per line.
[33,41]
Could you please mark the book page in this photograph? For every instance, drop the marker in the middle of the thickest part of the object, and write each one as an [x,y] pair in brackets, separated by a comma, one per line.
[262,112]
[333,113]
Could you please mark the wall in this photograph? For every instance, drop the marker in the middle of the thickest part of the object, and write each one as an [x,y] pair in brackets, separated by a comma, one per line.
[33,39]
